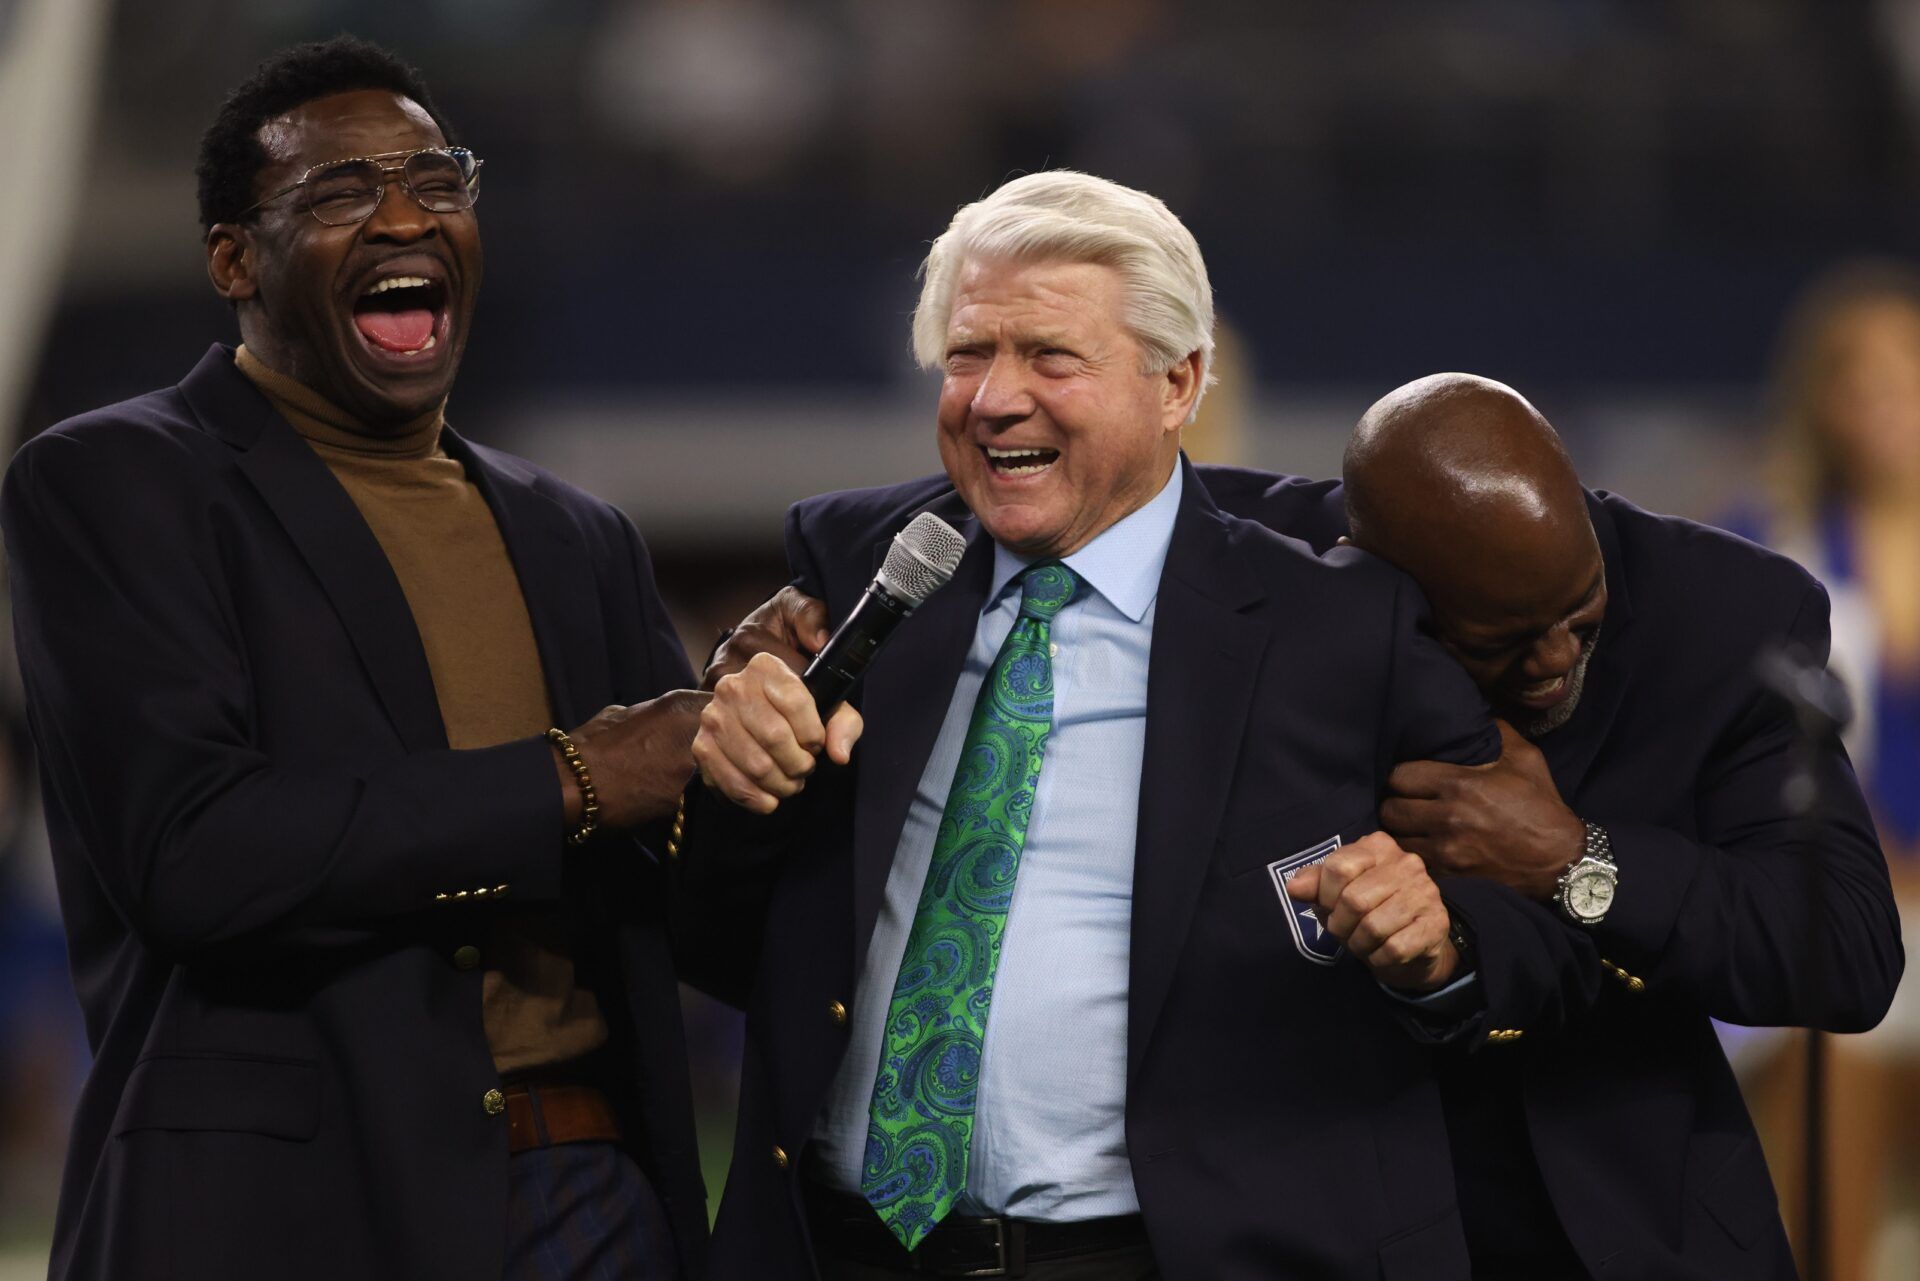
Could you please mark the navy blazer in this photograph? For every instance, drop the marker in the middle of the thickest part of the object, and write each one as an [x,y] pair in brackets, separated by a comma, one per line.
[1281,1119]
[267,857]
[1639,1138]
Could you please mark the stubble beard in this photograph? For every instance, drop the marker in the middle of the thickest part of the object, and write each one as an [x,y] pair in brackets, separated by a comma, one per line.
[1562,712]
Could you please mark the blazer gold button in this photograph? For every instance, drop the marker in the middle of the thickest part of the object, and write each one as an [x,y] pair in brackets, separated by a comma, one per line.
[837,1013]
[779,1158]
[493,1102]
[465,958]
[1634,984]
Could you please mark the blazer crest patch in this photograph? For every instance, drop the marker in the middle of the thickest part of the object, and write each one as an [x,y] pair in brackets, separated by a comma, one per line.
[1310,934]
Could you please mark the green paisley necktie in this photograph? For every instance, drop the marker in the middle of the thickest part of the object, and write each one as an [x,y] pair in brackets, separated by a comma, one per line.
[921,1124]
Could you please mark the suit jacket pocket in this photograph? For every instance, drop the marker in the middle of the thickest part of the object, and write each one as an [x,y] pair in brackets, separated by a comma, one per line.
[279,1098]
[1255,840]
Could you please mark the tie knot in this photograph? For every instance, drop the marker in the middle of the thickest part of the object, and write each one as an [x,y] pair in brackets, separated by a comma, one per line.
[1046,589]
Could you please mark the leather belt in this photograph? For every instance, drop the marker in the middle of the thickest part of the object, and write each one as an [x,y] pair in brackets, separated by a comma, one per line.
[539,1116]
[845,1227]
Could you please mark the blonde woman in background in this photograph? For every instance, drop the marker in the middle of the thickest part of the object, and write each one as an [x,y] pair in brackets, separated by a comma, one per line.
[1845,502]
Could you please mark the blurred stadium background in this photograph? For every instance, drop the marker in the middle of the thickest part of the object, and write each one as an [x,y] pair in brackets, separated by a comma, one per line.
[704,216]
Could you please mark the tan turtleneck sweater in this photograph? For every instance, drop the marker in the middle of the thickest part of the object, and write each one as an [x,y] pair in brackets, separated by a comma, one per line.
[445,548]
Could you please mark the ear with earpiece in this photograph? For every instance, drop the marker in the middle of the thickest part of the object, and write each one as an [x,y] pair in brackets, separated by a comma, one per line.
[230,262]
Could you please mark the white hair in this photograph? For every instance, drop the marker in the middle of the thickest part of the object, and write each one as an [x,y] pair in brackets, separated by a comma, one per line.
[1063,216]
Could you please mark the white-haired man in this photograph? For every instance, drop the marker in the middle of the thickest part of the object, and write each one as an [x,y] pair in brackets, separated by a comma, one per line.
[1088,961]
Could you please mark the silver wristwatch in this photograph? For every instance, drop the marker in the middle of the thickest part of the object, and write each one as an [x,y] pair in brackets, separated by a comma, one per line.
[1585,890]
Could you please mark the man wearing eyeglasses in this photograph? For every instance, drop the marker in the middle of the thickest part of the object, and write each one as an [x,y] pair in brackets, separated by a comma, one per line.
[371,952]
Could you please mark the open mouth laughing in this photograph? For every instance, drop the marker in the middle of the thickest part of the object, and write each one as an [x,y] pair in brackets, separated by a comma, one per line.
[1019,461]
[402,315]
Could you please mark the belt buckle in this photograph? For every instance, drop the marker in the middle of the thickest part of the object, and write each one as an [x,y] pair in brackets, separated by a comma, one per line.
[999,1269]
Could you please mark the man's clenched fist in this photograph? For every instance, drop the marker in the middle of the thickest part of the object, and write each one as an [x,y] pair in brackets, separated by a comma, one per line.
[760,736]
[1382,903]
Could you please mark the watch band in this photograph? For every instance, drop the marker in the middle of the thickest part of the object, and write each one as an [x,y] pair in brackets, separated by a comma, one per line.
[1598,845]
[1462,940]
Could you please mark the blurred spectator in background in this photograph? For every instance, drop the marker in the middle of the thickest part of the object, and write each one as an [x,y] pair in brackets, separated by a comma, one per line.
[1219,432]
[1844,500]
[1846,504]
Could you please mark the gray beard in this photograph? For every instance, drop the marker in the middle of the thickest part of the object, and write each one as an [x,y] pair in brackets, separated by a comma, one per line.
[1562,712]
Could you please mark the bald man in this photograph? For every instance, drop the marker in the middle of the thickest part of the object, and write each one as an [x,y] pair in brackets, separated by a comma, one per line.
[1639,801]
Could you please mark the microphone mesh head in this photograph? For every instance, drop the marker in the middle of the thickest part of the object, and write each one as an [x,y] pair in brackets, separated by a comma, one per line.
[922,558]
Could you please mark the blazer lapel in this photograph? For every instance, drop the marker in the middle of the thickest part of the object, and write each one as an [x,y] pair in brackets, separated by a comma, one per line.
[556,581]
[1570,750]
[902,721]
[331,537]
[1205,657]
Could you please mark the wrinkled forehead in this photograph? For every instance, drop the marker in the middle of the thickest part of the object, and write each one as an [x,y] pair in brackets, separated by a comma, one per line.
[362,122]
[1035,293]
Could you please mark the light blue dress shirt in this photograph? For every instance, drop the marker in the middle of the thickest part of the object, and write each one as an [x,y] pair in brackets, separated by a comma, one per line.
[1049,1133]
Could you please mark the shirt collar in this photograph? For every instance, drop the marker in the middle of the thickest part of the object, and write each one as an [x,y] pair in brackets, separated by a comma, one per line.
[1124,560]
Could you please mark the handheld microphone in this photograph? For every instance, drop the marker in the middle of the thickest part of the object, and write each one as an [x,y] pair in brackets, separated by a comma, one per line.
[920,561]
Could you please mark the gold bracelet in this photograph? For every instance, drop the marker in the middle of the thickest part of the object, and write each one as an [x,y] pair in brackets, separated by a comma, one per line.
[590,800]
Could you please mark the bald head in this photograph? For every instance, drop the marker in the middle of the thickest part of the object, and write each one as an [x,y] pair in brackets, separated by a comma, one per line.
[1460,482]
[1456,459]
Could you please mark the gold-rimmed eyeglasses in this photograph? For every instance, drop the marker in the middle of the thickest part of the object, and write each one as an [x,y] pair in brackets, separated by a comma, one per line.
[342,192]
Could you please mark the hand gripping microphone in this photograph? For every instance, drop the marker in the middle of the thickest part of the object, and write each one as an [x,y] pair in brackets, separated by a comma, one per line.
[919,563]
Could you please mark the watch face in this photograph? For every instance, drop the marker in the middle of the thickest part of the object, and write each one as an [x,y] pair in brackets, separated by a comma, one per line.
[1590,894]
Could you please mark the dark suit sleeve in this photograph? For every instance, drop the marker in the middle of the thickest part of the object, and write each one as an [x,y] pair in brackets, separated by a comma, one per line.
[1313,511]
[1534,973]
[665,669]
[1734,920]
[1432,711]
[729,858]
[802,561]
[138,688]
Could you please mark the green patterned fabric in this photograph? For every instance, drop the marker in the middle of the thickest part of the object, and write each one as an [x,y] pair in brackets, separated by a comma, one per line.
[921,1124]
